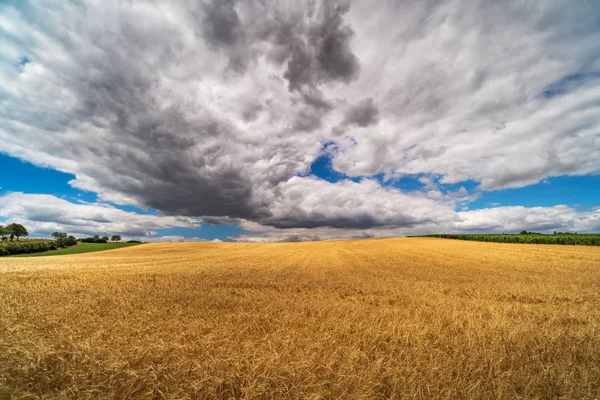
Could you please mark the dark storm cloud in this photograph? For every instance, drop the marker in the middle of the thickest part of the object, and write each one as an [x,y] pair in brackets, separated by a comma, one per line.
[360,221]
[333,45]
[220,220]
[223,29]
[323,53]
[221,23]
[169,153]
[159,147]
[363,114]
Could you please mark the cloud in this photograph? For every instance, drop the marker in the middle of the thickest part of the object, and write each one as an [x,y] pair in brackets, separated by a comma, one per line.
[363,114]
[217,109]
[490,220]
[43,214]
[310,202]
[172,239]
[539,219]
[462,95]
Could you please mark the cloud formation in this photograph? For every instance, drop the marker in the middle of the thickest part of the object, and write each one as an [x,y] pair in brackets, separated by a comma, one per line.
[490,220]
[44,214]
[217,109]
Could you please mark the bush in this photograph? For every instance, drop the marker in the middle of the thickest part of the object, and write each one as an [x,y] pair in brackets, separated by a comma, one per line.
[134,241]
[93,240]
[70,241]
[26,248]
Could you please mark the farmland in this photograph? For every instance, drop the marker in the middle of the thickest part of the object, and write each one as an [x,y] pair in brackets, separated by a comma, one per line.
[385,318]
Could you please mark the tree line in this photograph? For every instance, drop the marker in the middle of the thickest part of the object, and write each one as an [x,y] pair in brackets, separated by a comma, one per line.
[591,239]
[101,239]
[12,231]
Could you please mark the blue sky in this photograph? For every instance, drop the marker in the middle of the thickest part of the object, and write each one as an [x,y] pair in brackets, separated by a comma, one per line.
[235,121]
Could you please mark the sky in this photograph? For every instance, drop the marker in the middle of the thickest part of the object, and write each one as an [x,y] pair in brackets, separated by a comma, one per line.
[297,120]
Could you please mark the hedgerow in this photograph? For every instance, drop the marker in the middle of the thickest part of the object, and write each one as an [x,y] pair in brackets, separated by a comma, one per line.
[530,238]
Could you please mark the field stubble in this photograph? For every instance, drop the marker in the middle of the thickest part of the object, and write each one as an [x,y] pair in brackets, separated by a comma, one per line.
[392,318]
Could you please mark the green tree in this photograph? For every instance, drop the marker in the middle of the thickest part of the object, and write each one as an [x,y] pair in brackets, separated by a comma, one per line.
[4,232]
[70,241]
[60,237]
[104,238]
[115,238]
[17,230]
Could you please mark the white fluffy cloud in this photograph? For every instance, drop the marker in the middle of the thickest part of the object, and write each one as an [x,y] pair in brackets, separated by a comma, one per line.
[501,93]
[310,202]
[540,219]
[44,214]
[218,108]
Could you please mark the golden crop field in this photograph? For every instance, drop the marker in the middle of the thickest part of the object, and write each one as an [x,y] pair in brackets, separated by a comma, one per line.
[386,318]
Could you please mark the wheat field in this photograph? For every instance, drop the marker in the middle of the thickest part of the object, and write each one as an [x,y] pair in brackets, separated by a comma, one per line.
[381,318]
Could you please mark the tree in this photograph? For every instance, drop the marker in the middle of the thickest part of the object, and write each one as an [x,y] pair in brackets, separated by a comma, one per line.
[4,232]
[17,230]
[59,237]
[105,238]
[70,241]
[96,237]
[115,238]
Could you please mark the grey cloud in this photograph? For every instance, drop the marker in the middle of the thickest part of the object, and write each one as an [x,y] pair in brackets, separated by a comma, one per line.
[307,119]
[221,23]
[251,112]
[363,114]
[314,98]
[223,30]
[220,220]
[323,53]
[498,219]
[333,37]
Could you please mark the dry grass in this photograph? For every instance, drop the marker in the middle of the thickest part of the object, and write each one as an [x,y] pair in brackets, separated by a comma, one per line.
[397,318]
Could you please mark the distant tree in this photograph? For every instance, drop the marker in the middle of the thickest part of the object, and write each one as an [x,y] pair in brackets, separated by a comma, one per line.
[115,238]
[17,230]
[522,233]
[60,237]
[96,237]
[4,233]
[105,238]
[70,241]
